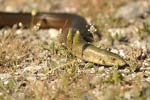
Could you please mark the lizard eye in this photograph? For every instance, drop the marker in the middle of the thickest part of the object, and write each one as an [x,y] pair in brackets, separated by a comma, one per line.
[113,59]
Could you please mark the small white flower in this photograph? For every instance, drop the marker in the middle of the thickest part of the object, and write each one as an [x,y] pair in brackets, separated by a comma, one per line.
[92,29]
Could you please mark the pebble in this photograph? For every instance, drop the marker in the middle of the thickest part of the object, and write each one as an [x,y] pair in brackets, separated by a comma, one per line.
[132,10]
[10,9]
[146,62]
[4,76]
[53,33]
[140,44]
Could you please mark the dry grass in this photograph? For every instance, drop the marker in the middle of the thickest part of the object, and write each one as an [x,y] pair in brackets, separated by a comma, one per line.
[34,69]
[13,49]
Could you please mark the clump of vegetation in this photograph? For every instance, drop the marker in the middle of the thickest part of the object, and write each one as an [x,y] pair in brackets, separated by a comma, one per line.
[115,77]
[12,49]
[145,30]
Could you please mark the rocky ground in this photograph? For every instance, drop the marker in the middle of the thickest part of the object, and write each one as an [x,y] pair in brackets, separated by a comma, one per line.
[34,66]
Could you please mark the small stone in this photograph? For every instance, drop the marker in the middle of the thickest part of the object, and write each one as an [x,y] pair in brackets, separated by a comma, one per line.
[4,76]
[132,10]
[19,31]
[10,9]
[146,62]
[53,33]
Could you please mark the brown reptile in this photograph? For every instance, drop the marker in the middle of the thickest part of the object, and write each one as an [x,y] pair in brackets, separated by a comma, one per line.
[67,22]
